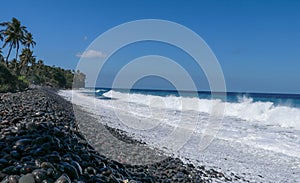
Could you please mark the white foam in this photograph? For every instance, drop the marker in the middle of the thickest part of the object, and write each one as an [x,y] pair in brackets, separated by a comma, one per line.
[246,109]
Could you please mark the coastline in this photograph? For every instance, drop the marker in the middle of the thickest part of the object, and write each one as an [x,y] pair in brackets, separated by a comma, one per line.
[41,141]
[232,156]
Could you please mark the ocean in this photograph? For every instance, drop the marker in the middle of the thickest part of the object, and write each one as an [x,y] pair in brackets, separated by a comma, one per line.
[257,135]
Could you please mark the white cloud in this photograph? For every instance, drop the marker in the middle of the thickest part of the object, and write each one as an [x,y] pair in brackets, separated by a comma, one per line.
[91,54]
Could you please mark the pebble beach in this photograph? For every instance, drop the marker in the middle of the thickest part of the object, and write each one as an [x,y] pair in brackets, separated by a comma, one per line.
[41,141]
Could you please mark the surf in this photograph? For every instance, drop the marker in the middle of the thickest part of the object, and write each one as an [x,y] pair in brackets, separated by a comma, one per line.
[246,109]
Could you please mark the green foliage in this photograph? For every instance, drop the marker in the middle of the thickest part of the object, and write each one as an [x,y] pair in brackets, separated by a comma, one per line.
[51,76]
[19,74]
[23,79]
[9,82]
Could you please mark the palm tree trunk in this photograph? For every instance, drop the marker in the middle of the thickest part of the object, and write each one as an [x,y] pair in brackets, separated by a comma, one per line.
[17,51]
[6,62]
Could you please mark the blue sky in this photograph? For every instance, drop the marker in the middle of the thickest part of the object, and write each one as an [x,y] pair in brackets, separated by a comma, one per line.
[256,42]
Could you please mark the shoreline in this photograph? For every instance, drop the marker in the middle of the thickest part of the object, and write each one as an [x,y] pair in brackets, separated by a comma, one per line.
[42,141]
[252,163]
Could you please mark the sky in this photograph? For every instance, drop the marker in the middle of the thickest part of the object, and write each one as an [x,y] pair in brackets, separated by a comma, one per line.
[257,42]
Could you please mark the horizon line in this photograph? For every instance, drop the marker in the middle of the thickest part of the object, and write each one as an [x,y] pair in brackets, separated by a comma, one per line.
[204,91]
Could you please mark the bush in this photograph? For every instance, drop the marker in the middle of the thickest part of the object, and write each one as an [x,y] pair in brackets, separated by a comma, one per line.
[9,82]
[22,82]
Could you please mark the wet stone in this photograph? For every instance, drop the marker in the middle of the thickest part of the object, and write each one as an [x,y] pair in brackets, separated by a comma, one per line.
[48,181]
[42,140]
[63,179]
[105,171]
[90,170]
[26,158]
[39,175]
[4,178]
[71,171]
[46,165]
[3,163]
[27,169]
[54,158]
[10,170]
[50,172]
[28,178]
[23,142]
[15,154]
[77,166]
[13,178]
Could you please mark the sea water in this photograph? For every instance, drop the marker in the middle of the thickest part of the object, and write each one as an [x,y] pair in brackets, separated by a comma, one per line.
[257,137]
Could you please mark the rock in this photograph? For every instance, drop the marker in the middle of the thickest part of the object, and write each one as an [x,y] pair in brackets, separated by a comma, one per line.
[47,147]
[56,175]
[105,171]
[39,175]
[39,161]
[47,181]
[63,179]
[23,142]
[15,154]
[27,169]
[20,148]
[71,171]
[113,179]
[99,180]
[148,179]
[3,163]
[10,170]
[44,139]
[54,158]
[30,126]
[90,170]
[85,157]
[26,158]
[59,133]
[37,114]
[28,178]
[50,172]
[5,179]
[13,179]
[76,158]
[39,152]
[101,165]
[47,165]
[77,166]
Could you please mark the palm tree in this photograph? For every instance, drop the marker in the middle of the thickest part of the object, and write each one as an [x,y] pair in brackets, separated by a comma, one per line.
[25,58]
[1,57]
[13,35]
[1,39]
[39,66]
[28,40]
[32,61]
[40,63]
[13,66]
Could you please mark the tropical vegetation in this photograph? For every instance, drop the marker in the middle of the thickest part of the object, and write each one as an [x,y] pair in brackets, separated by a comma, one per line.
[24,69]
